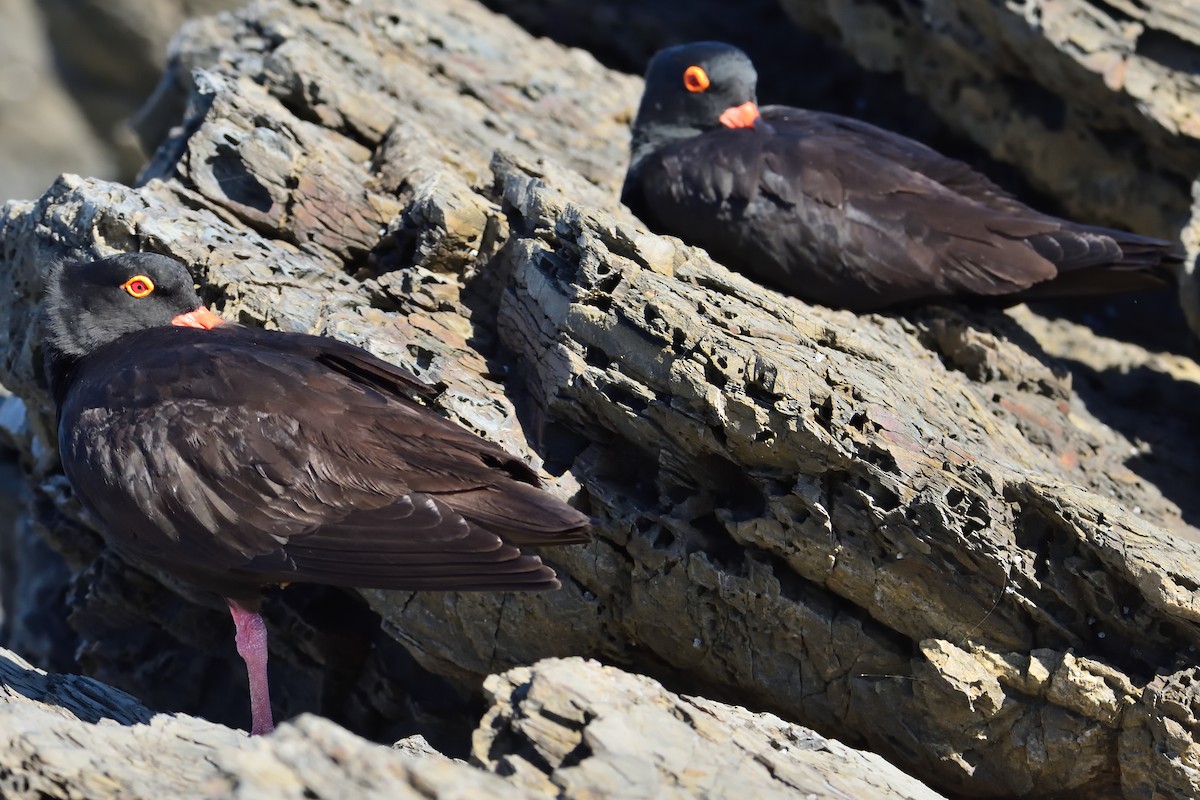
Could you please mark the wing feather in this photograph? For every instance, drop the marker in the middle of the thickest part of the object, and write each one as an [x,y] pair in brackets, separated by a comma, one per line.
[842,213]
[232,472]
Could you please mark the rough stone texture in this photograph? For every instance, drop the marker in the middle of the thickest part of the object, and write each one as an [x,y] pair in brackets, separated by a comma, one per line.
[66,736]
[572,728]
[70,736]
[906,531]
[1097,102]
[939,567]
[1189,284]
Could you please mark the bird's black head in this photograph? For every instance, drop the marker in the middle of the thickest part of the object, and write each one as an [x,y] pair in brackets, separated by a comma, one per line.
[90,304]
[692,88]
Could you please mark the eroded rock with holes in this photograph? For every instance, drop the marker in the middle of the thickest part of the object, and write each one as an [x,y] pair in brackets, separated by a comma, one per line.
[824,484]
[906,531]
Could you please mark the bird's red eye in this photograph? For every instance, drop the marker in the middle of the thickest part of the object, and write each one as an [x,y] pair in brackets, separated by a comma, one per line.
[139,286]
[695,79]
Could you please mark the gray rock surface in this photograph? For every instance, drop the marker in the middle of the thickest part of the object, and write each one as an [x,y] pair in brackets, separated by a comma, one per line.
[572,728]
[873,507]
[69,736]
[1097,102]
[906,531]
[66,736]
[1189,284]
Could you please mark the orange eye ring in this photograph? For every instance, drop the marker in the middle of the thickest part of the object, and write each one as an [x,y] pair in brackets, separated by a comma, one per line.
[138,286]
[695,79]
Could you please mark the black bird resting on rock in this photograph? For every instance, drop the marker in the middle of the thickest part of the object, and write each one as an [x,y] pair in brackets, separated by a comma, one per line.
[839,212]
[236,458]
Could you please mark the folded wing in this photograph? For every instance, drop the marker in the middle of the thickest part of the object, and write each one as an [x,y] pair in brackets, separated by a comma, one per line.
[850,215]
[325,470]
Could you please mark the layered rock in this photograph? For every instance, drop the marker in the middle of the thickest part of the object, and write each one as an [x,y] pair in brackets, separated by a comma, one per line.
[558,729]
[1097,102]
[905,531]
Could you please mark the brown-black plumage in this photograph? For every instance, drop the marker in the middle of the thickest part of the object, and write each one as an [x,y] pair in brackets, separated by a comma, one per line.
[846,214]
[236,458]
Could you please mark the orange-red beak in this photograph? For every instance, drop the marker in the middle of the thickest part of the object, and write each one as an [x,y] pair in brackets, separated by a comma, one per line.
[743,116]
[200,318]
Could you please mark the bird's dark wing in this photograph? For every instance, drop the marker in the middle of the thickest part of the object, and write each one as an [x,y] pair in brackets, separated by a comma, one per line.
[1070,246]
[914,156]
[276,458]
[819,215]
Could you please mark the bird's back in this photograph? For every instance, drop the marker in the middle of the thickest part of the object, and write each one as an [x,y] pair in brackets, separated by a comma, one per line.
[841,212]
[239,457]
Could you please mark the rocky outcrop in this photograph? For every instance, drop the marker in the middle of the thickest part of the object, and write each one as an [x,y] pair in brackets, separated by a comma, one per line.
[567,729]
[1189,284]
[1096,102]
[906,531]
[571,728]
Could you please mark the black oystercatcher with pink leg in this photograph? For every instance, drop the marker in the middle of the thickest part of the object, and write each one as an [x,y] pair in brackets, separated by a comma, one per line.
[236,458]
[842,213]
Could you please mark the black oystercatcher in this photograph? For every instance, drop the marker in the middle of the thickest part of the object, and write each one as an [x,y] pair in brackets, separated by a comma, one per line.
[842,213]
[236,458]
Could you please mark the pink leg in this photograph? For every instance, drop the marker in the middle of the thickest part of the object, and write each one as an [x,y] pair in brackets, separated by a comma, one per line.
[252,647]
